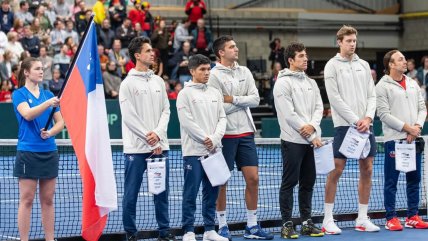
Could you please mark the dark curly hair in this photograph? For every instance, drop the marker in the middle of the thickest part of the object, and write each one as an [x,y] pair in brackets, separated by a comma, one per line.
[290,51]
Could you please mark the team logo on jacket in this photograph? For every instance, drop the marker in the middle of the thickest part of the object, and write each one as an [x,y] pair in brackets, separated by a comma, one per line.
[392,154]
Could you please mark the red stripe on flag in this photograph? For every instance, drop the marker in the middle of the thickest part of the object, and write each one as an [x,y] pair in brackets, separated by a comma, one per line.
[74,110]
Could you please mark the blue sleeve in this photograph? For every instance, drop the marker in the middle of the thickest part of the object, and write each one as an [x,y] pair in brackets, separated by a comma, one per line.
[17,98]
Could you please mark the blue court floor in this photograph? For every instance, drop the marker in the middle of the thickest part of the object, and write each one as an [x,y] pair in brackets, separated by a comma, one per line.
[352,235]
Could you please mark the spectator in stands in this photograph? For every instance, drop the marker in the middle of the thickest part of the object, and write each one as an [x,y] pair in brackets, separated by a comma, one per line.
[119,56]
[47,63]
[6,91]
[57,35]
[37,29]
[276,68]
[46,42]
[33,5]
[117,13]
[422,74]
[103,57]
[157,66]
[179,63]
[6,65]
[196,10]
[78,6]
[172,95]
[14,78]
[70,32]
[125,33]
[30,42]
[7,17]
[181,34]
[3,42]
[161,41]
[62,60]
[202,39]
[171,30]
[50,12]
[276,53]
[112,81]
[55,84]
[82,20]
[137,15]
[36,163]
[62,10]
[148,18]
[23,13]
[44,21]
[99,11]
[402,110]
[14,46]
[106,35]
[18,27]
[24,55]
[411,70]
[70,43]
[139,32]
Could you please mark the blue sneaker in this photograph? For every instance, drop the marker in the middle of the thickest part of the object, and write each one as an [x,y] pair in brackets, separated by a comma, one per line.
[256,232]
[224,232]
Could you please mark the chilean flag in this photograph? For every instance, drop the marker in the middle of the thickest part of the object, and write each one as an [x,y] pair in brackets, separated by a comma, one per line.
[84,111]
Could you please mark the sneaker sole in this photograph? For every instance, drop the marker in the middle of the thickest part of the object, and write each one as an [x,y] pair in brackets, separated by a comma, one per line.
[330,233]
[256,237]
[291,237]
[410,226]
[387,228]
[317,235]
[361,229]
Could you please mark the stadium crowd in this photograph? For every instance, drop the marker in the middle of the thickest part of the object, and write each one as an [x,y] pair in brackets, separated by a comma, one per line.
[51,31]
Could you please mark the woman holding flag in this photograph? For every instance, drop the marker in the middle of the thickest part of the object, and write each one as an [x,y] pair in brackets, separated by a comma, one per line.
[37,156]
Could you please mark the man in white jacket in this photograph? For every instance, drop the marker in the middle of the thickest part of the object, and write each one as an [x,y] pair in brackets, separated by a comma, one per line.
[202,122]
[299,106]
[237,86]
[402,110]
[352,96]
[145,113]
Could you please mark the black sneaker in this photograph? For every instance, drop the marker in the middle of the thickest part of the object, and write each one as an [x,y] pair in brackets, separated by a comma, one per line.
[131,238]
[168,237]
[288,232]
[309,229]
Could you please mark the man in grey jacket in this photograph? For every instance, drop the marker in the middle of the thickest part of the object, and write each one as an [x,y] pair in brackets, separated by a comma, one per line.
[203,122]
[351,92]
[237,86]
[145,113]
[402,110]
[299,106]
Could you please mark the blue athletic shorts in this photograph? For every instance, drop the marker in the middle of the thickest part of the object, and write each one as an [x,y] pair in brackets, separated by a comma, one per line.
[339,135]
[241,151]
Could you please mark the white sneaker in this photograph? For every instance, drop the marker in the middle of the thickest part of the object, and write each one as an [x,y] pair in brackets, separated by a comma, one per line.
[189,236]
[329,227]
[213,236]
[365,225]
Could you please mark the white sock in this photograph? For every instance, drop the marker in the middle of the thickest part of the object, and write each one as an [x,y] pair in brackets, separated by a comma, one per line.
[221,217]
[362,211]
[251,218]
[328,211]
